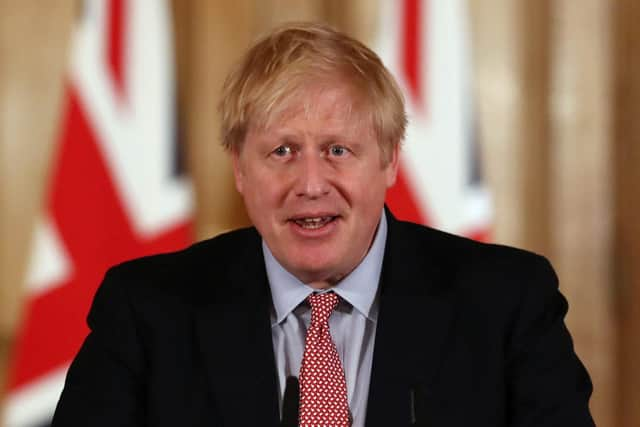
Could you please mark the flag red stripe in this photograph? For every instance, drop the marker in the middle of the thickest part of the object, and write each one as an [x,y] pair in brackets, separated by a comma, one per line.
[402,198]
[116,41]
[412,49]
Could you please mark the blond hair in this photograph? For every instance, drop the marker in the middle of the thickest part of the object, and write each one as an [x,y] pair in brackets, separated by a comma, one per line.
[278,65]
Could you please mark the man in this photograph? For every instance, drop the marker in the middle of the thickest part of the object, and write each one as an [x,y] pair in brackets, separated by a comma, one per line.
[384,323]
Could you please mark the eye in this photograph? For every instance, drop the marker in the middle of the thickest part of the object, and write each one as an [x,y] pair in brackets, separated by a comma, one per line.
[337,150]
[282,151]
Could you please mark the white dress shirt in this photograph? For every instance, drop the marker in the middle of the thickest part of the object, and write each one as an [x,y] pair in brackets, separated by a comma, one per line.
[352,324]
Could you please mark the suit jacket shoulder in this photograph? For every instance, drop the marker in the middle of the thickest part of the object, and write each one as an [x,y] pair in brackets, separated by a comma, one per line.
[172,338]
[472,334]
[193,275]
[465,265]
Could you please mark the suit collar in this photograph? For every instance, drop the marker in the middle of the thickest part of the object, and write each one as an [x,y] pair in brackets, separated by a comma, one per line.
[416,311]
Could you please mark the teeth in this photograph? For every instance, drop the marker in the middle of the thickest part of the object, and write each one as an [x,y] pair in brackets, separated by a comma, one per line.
[312,223]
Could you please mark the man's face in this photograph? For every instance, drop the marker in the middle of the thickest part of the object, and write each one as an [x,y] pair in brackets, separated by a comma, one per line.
[314,184]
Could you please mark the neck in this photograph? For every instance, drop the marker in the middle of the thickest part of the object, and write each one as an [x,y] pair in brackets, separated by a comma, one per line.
[322,284]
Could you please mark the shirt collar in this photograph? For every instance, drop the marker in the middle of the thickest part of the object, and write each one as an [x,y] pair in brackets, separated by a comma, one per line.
[359,288]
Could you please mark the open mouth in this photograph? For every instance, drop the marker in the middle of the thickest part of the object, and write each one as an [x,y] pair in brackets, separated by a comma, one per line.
[314,223]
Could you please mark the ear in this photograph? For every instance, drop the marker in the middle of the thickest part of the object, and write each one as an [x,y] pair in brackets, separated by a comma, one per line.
[237,170]
[391,168]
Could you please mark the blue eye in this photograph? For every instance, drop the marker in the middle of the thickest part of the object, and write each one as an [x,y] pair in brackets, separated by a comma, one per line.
[282,151]
[337,150]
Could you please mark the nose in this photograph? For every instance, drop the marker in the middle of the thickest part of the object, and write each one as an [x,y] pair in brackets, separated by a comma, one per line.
[312,180]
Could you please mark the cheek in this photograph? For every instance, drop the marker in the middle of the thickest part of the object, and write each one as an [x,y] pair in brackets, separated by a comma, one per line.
[264,191]
[259,196]
[371,187]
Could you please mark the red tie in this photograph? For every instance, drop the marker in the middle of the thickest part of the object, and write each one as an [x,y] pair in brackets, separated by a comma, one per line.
[323,389]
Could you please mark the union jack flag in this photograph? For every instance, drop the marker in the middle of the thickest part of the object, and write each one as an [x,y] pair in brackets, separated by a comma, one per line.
[425,44]
[116,189]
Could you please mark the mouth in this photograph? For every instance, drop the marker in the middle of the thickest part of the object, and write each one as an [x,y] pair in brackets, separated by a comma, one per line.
[313,223]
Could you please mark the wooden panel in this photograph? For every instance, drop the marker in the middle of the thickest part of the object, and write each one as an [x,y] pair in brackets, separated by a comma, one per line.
[359,18]
[626,134]
[33,45]
[33,58]
[581,189]
[269,13]
[510,49]
[542,79]
[210,37]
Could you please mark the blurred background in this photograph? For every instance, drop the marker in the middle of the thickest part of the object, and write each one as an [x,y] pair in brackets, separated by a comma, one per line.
[525,131]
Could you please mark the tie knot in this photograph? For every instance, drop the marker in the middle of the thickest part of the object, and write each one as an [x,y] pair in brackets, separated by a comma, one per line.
[322,305]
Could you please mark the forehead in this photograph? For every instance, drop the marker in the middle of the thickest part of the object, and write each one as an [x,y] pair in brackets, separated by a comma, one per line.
[328,104]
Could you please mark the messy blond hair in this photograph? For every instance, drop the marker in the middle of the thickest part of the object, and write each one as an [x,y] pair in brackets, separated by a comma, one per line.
[280,64]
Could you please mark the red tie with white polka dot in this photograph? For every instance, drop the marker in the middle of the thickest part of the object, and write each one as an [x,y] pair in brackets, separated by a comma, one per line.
[323,388]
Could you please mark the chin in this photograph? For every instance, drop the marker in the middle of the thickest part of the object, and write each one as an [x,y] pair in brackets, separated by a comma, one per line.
[314,271]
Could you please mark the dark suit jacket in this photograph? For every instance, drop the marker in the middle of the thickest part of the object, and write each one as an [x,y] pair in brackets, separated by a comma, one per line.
[468,334]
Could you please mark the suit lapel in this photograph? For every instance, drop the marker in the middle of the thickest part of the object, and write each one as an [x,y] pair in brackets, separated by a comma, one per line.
[414,321]
[234,334]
